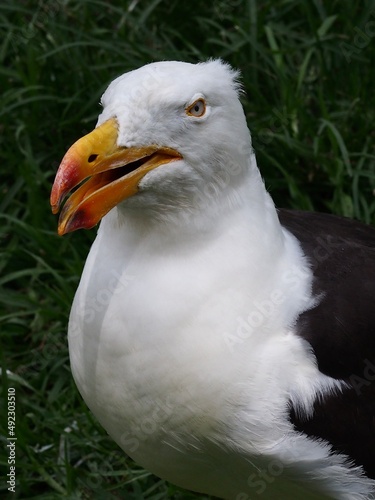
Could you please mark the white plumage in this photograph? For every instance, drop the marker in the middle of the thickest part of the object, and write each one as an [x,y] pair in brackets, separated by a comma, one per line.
[182,333]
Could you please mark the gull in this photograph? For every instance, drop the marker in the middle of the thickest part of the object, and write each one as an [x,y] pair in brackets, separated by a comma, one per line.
[226,346]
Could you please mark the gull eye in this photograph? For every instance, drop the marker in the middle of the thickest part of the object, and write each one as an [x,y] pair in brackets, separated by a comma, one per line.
[197,109]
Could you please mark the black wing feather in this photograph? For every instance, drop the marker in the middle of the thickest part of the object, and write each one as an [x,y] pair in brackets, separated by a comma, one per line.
[340,329]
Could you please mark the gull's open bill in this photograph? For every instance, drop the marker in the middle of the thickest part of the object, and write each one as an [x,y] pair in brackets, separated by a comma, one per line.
[113,171]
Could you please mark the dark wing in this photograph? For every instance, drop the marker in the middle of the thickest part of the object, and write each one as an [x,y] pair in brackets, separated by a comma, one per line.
[341,328]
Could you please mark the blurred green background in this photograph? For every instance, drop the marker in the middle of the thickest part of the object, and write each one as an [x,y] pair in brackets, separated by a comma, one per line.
[308,68]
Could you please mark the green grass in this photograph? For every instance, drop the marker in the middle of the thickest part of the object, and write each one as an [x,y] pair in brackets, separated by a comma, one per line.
[308,71]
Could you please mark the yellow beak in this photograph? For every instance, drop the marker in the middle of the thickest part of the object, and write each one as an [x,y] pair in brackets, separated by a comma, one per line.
[113,174]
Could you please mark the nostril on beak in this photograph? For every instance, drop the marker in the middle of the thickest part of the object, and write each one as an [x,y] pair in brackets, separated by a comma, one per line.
[92,158]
